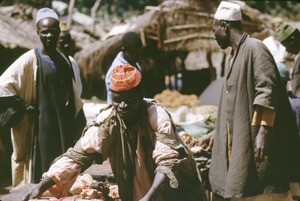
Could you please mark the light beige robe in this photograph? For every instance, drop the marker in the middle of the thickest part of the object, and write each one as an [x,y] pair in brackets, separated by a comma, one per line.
[20,79]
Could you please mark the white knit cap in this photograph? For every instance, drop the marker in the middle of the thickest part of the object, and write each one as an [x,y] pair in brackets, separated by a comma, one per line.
[45,13]
[228,11]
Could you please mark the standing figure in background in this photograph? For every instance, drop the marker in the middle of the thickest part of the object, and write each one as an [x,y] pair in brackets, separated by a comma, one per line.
[246,162]
[65,45]
[132,50]
[42,103]
[289,36]
[275,47]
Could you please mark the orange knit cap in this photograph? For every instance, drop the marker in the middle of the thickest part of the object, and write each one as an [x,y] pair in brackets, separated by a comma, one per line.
[124,78]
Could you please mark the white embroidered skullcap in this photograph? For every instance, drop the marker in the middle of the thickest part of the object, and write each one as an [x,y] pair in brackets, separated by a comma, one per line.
[228,11]
[45,13]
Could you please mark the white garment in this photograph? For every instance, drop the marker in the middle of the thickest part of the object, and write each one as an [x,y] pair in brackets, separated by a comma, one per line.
[276,49]
[77,75]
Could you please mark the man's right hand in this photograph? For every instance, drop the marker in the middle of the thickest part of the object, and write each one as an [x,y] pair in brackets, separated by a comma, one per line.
[39,189]
[207,141]
[35,193]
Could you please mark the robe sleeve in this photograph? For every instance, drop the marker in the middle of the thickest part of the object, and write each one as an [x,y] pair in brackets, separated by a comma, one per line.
[263,117]
[19,78]
[161,123]
[64,173]
[266,77]
[170,155]
[66,169]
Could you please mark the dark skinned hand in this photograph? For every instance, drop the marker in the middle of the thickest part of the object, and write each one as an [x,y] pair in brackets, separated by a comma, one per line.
[158,180]
[261,143]
[39,189]
[207,141]
[35,193]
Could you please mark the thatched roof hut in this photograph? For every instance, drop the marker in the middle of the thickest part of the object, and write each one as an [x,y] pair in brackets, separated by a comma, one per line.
[171,29]
[187,25]
[16,26]
[16,22]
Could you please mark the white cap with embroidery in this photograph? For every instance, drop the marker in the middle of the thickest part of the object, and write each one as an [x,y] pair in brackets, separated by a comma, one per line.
[46,13]
[228,11]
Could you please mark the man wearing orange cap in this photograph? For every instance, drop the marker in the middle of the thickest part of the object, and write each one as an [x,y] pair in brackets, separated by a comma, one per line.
[148,159]
[132,50]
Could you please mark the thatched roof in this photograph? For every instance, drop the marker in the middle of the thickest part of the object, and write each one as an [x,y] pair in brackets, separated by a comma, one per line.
[174,26]
[187,25]
[17,27]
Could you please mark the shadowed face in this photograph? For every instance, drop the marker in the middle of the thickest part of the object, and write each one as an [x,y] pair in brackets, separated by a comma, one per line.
[48,31]
[128,103]
[222,38]
[133,54]
[65,42]
[291,45]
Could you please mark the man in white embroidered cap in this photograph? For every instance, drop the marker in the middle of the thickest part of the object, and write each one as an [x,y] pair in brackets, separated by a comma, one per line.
[39,88]
[249,151]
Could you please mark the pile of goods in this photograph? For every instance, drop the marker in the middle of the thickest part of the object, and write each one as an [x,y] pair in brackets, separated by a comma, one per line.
[173,99]
[205,114]
[86,188]
[193,123]
[89,189]
[202,155]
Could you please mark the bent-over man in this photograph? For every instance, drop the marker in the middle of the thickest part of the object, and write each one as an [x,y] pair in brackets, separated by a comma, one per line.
[148,158]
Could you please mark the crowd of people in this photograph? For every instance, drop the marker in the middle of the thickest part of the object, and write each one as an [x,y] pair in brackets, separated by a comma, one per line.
[255,146]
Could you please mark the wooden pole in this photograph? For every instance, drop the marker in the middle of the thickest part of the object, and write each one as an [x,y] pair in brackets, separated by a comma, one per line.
[70,13]
[159,31]
[94,10]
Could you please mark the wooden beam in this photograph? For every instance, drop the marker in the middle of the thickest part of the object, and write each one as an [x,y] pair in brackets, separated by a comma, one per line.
[187,37]
[188,26]
[142,34]
[152,37]
[157,8]
[201,14]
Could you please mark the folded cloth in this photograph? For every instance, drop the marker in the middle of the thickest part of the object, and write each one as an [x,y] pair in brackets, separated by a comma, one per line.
[12,110]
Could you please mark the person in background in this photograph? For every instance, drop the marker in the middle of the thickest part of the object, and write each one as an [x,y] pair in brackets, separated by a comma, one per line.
[246,162]
[132,50]
[294,101]
[293,115]
[65,45]
[41,104]
[275,47]
[289,36]
[147,156]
